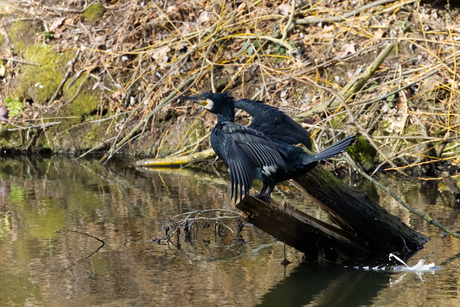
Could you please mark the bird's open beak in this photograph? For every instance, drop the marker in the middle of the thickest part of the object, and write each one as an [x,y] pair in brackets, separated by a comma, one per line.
[196,99]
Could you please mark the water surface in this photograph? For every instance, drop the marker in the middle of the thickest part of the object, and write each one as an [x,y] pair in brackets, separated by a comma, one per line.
[79,234]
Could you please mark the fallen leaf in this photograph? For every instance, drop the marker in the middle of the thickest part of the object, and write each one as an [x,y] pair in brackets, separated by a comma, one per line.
[181,45]
[171,9]
[284,9]
[229,70]
[379,33]
[56,24]
[241,8]
[294,37]
[2,69]
[99,38]
[204,17]
[160,55]
[346,49]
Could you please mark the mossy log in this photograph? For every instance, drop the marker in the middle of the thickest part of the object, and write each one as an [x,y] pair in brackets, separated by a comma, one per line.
[177,161]
[366,229]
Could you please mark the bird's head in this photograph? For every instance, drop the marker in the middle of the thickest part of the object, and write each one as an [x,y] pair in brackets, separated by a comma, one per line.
[217,103]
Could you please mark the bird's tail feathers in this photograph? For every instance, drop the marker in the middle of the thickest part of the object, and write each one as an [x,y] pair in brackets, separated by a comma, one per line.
[335,148]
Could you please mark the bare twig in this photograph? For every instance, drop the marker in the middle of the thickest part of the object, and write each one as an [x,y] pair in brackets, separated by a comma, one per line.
[66,76]
[148,116]
[20,61]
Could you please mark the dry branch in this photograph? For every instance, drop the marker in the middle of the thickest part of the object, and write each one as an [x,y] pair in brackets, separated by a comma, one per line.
[160,105]
[353,86]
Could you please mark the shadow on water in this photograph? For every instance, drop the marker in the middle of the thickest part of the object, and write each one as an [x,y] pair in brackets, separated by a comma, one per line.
[326,286]
[55,213]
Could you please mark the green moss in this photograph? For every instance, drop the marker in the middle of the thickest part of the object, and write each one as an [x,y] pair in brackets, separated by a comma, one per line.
[88,140]
[337,120]
[40,82]
[2,40]
[94,12]
[11,139]
[363,153]
[23,33]
[85,103]
[414,130]
[383,127]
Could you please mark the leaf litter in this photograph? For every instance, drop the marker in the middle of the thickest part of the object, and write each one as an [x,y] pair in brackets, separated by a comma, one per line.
[288,54]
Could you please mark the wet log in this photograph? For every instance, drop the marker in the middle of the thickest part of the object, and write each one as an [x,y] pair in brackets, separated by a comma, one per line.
[365,227]
[364,218]
[315,238]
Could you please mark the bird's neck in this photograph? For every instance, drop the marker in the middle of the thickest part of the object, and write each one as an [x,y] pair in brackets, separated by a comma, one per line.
[227,115]
[249,106]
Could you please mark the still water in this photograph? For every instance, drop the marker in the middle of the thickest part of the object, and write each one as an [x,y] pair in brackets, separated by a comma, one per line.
[81,234]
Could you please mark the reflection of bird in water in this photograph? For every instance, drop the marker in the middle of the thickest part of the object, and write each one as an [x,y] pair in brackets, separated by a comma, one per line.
[251,154]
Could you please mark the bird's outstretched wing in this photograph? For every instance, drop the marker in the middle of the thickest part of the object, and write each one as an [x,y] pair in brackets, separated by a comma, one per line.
[246,149]
[284,132]
[274,123]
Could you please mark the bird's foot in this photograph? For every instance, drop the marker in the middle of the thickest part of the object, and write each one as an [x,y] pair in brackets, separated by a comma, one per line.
[263,197]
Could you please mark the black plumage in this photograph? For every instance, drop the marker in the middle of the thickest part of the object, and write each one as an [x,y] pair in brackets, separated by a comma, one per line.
[263,150]
[274,123]
[284,131]
[246,151]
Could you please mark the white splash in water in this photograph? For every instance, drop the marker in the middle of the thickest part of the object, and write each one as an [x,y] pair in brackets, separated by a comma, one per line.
[418,269]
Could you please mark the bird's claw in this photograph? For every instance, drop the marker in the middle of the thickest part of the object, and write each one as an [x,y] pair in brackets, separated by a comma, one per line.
[263,197]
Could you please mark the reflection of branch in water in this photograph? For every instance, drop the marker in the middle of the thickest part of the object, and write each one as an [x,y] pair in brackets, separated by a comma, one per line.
[451,259]
[189,226]
[164,184]
[209,210]
[86,234]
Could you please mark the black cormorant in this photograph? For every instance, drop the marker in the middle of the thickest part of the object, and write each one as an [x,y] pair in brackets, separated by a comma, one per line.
[246,151]
[250,154]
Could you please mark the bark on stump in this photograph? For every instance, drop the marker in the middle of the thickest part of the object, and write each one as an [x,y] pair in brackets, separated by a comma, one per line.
[366,229]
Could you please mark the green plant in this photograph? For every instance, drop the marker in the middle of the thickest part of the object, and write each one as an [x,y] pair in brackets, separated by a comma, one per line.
[14,106]
[47,34]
